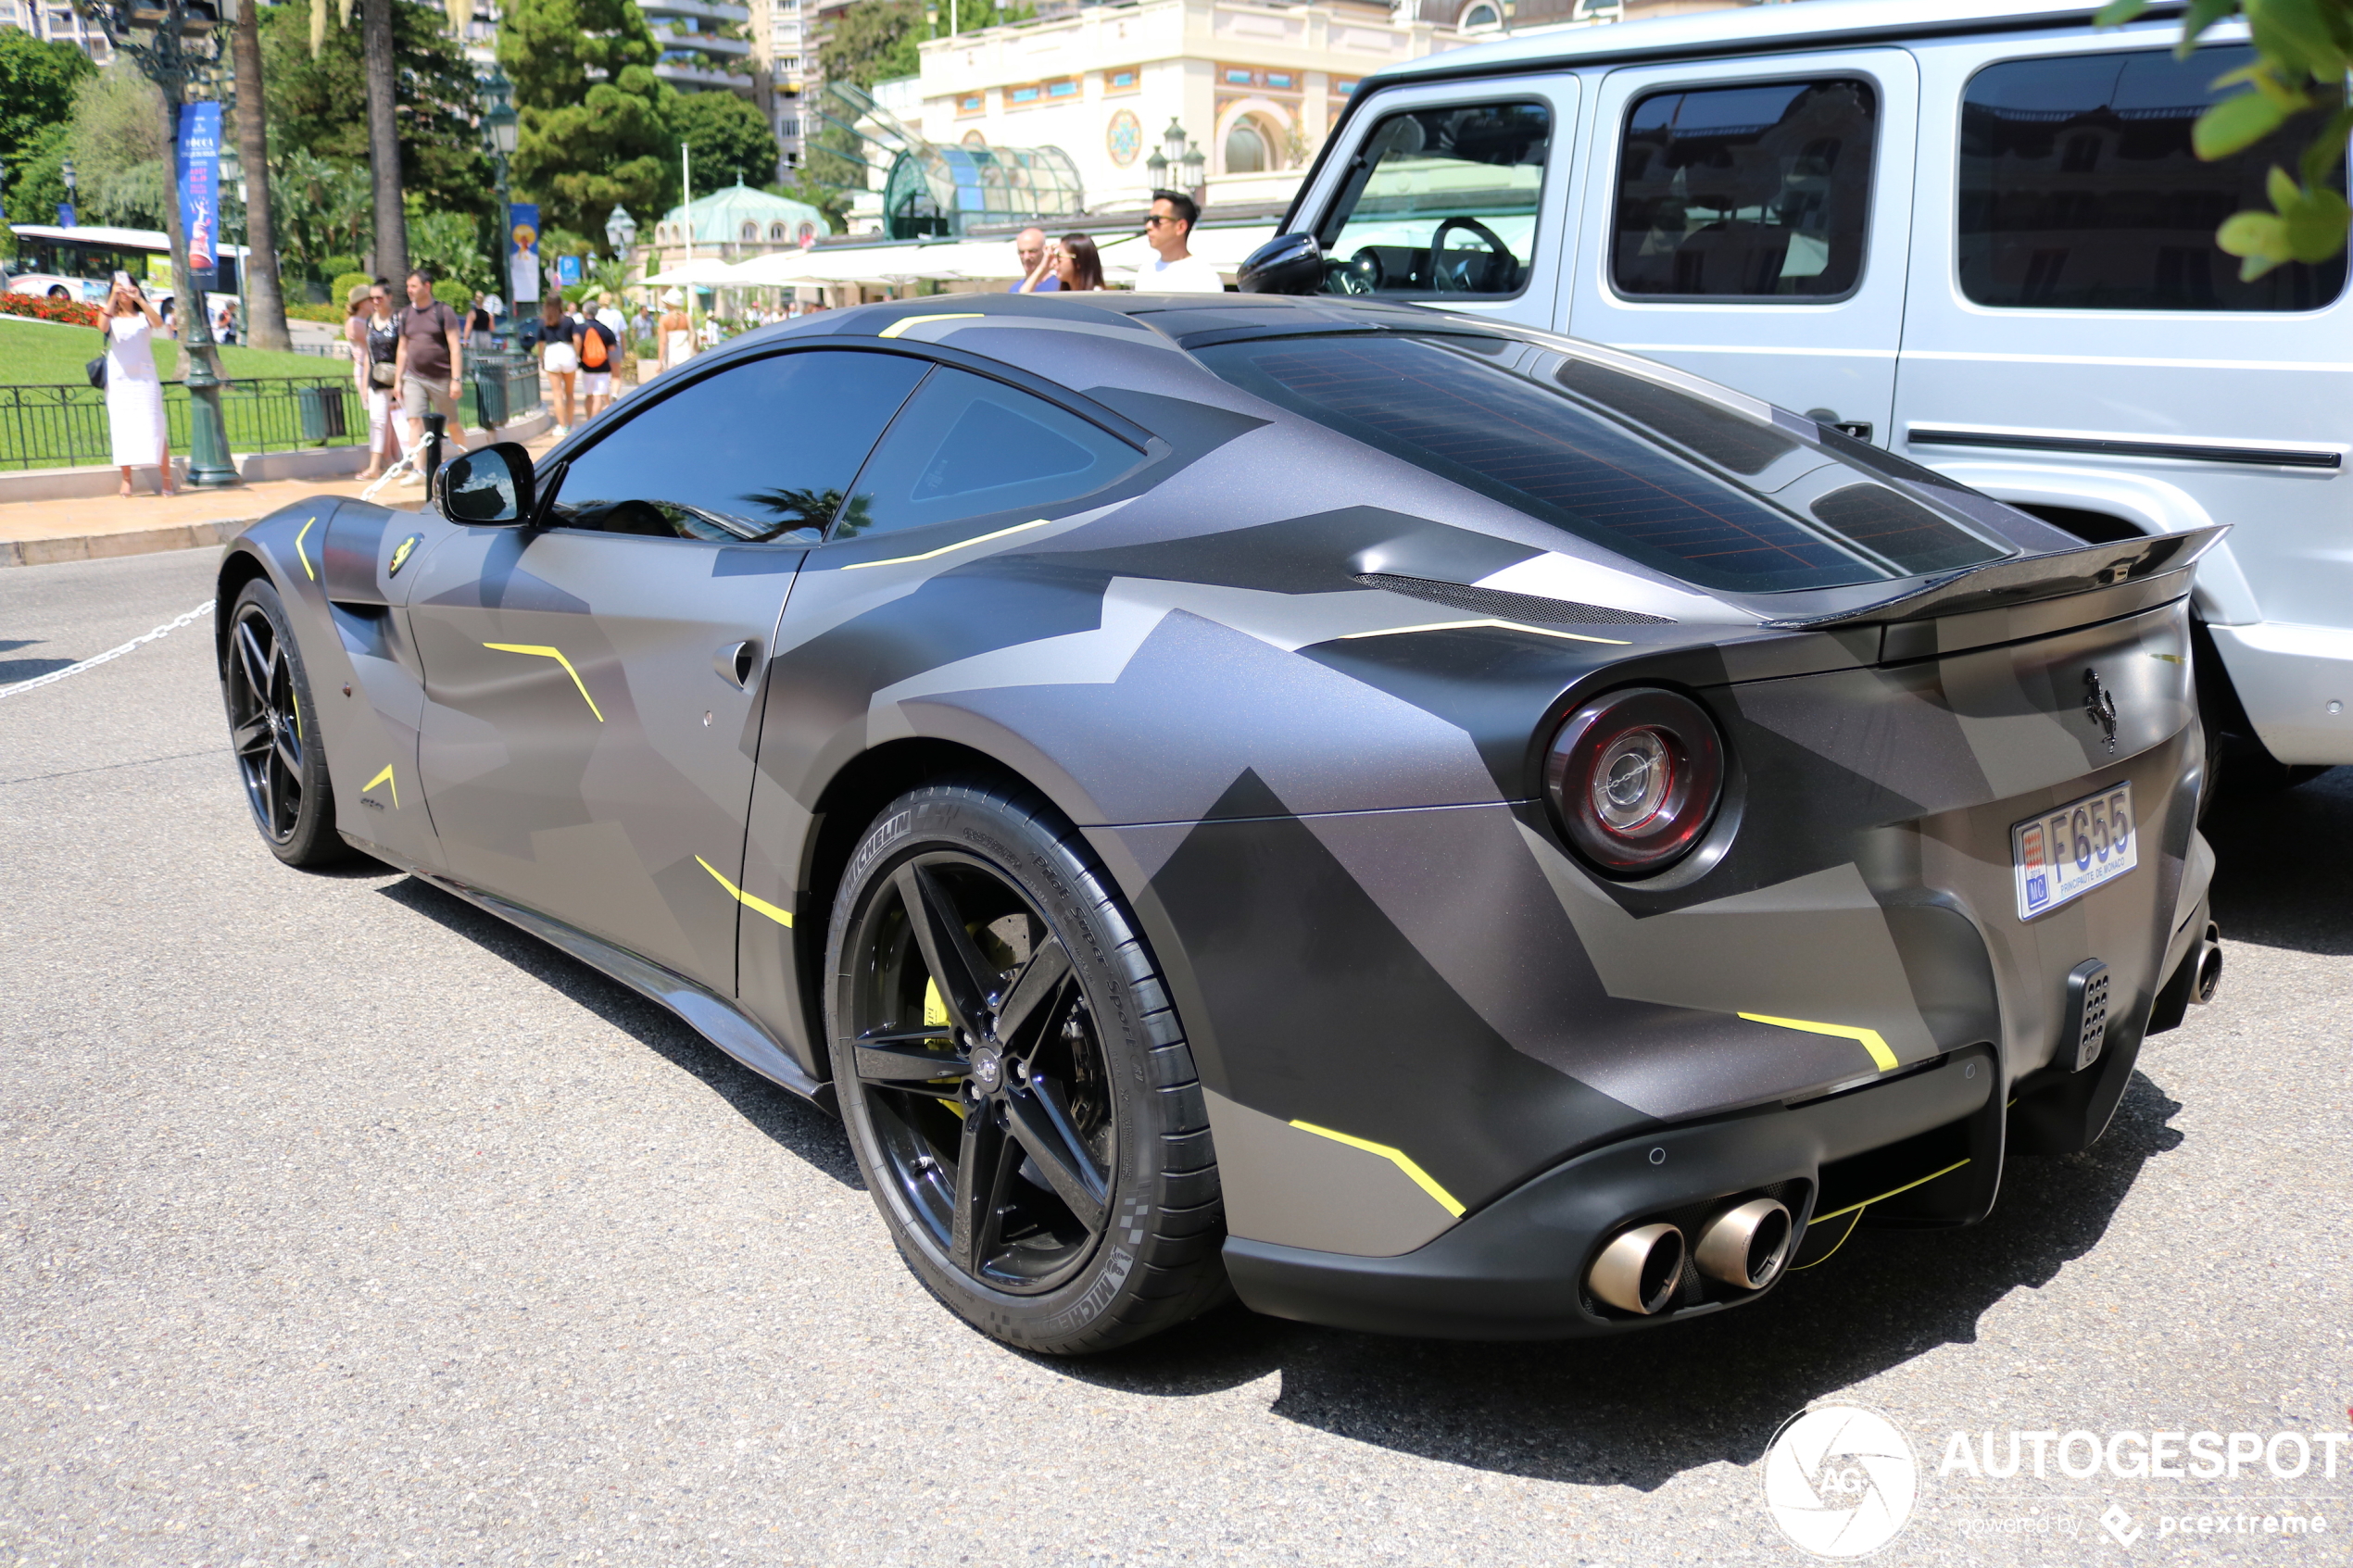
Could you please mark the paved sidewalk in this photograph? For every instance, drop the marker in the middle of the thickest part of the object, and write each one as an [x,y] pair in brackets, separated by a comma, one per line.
[37,532]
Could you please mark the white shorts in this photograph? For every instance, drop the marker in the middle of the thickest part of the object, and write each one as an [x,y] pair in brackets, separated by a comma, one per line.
[596,383]
[561,359]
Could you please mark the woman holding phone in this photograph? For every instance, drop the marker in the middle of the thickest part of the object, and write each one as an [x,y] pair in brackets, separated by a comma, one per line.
[1074,263]
[135,425]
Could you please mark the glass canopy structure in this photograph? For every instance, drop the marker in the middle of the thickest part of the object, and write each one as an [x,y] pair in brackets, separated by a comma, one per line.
[941,190]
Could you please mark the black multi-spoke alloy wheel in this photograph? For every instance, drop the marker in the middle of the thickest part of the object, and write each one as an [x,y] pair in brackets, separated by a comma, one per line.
[1019,1095]
[280,757]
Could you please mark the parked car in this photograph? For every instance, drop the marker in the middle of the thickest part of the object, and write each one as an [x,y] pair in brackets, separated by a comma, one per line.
[1973,233]
[1445,828]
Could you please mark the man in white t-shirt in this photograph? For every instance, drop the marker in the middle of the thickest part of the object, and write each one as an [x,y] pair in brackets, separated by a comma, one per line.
[1174,269]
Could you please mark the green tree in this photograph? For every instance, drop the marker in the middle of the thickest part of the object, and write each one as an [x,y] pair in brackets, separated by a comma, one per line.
[874,40]
[449,244]
[589,143]
[37,84]
[2303,52]
[323,209]
[320,104]
[731,144]
[118,147]
[38,184]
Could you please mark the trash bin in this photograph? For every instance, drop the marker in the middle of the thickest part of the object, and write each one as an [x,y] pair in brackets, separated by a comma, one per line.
[311,404]
[490,396]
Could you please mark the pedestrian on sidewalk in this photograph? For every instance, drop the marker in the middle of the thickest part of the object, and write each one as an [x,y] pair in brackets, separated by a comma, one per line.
[224,328]
[599,349]
[431,366]
[675,332]
[558,359]
[135,425]
[375,348]
[1174,269]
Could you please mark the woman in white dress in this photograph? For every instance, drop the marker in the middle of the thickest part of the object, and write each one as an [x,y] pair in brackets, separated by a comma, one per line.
[677,330]
[134,392]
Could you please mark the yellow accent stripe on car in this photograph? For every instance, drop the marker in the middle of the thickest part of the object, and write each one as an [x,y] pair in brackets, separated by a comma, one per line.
[385,777]
[904,322]
[782,916]
[299,555]
[1867,1038]
[1396,1156]
[1857,1210]
[929,555]
[1499,625]
[537,651]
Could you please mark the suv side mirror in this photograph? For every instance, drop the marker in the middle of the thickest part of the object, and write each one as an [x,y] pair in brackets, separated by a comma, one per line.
[1285,264]
[491,486]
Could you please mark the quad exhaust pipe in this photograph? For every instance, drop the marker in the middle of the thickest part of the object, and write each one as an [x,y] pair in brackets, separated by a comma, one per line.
[2210,965]
[1639,1269]
[1745,1245]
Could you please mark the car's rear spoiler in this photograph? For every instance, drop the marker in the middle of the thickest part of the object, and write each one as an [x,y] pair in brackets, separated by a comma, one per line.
[1995,585]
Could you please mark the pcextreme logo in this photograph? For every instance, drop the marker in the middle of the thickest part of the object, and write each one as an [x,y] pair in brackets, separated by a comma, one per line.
[1840,1481]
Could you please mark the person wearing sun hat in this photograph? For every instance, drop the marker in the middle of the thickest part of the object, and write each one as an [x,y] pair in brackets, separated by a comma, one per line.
[675,332]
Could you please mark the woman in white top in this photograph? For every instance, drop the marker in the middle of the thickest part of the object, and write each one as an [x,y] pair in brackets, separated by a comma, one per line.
[134,392]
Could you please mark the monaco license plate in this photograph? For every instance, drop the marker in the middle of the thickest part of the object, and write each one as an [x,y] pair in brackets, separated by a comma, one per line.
[2065,853]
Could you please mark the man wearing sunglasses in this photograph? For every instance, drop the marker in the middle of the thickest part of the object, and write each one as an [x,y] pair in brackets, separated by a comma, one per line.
[1174,269]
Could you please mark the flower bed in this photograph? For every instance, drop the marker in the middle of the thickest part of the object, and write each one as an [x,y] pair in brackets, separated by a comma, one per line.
[71,312]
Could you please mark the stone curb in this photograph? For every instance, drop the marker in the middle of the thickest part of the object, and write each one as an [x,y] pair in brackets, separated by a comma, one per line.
[98,546]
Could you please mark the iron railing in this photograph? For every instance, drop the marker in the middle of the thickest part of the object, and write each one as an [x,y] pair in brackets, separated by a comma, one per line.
[65,426]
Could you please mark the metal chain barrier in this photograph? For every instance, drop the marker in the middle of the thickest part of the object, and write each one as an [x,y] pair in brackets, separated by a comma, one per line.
[165,630]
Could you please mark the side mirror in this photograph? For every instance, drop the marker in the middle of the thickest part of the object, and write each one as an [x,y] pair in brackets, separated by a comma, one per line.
[489,487]
[1285,264]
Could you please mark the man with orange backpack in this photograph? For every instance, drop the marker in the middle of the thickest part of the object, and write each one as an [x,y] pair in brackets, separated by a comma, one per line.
[600,348]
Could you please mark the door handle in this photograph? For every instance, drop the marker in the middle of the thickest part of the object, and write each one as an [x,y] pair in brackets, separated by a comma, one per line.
[735,662]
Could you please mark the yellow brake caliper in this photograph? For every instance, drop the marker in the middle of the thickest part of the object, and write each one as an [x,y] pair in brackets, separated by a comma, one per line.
[936,1012]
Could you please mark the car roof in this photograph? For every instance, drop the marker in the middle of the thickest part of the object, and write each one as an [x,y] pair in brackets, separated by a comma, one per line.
[1182,317]
[1747,28]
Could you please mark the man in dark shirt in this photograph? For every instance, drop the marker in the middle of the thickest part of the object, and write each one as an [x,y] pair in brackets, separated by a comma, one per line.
[430,366]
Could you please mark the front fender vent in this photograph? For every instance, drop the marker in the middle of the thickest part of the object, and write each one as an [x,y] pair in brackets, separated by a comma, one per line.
[1509,606]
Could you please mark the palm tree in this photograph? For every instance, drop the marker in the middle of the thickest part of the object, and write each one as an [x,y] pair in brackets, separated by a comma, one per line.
[384,140]
[266,322]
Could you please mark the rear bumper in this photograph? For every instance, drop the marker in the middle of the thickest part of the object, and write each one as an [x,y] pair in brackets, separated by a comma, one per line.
[1515,1268]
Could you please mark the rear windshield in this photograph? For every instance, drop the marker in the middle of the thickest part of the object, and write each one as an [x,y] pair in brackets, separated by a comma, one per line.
[1634,466]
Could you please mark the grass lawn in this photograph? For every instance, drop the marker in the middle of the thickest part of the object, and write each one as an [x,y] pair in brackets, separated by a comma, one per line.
[37,354]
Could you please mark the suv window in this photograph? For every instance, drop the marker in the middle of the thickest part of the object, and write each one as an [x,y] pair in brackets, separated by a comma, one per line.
[1442,201]
[751,453]
[1553,446]
[967,446]
[1759,192]
[2080,190]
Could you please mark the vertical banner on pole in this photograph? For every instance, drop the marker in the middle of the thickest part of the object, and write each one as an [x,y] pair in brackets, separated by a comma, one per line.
[200,186]
[522,251]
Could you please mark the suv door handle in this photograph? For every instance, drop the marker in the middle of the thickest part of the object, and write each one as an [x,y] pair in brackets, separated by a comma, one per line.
[735,662]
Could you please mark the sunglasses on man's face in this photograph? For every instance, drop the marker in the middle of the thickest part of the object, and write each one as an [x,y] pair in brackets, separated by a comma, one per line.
[1158,218]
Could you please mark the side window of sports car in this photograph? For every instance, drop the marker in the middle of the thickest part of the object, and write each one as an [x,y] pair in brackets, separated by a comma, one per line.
[752,453]
[967,446]
[1440,201]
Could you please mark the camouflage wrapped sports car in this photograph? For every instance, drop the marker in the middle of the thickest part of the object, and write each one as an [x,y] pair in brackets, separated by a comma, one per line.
[1426,825]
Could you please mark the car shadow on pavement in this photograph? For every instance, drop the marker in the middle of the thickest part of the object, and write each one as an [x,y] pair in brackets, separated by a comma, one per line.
[1638,1410]
[2282,861]
[778,1113]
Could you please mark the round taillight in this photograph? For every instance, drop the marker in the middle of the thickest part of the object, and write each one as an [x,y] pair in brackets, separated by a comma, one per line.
[1635,778]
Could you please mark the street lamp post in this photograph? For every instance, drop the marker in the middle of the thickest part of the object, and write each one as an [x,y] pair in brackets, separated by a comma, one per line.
[496,96]
[621,234]
[175,45]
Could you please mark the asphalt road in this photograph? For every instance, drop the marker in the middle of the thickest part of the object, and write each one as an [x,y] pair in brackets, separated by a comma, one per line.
[345,1225]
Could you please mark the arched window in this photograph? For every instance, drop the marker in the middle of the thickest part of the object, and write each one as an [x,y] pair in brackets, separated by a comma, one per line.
[1481,17]
[1246,149]
[749,233]
[776,233]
